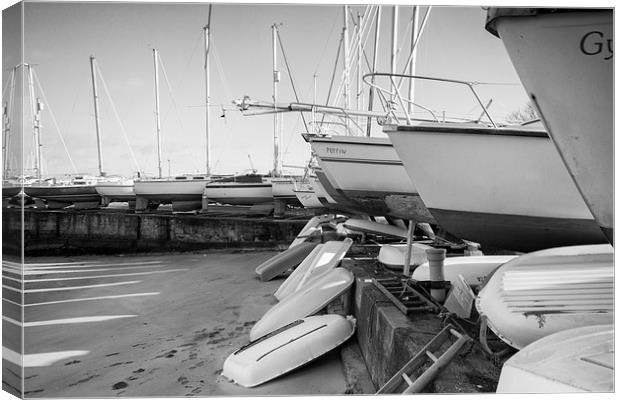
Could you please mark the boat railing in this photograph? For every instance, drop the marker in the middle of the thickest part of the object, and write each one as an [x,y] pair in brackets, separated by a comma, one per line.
[401,105]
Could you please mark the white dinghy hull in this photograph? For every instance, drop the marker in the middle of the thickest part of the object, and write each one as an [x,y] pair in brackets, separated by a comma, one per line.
[574,360]
[287,349]
[322,259]
[305,302]
[548,291]
[474,269]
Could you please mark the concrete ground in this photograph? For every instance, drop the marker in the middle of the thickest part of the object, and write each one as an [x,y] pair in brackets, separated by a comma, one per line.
[146,325]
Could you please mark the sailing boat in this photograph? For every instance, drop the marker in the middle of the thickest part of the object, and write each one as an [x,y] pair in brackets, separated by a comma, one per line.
[251,189]
[76,190]
[184,192]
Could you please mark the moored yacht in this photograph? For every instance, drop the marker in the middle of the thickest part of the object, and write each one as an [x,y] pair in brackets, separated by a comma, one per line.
[78,191]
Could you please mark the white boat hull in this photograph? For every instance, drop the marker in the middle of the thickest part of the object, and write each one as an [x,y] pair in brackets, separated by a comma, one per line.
[235,193]
[548,291]
[393,255]
[170,190]
[287,349]
[283,189]
[504,187]
[565,62]
[368,172]
[376,228]
[116,191]
[574,360]
[306,301]
[474,269]
[321,260]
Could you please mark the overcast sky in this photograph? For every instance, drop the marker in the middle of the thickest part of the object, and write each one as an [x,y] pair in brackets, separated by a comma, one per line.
[60,37]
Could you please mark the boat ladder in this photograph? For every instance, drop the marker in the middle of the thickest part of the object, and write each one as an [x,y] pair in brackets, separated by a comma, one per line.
[403,381]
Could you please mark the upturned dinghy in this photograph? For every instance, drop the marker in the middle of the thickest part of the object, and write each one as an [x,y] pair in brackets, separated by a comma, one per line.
[548,291]
[284,261]
[307,301]
[574,360]
[393,255]
[322,259]
[376,228]
[312,228]
[287,349]
[473,268]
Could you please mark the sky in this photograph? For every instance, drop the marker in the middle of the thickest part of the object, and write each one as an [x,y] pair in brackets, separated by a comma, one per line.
[59,38]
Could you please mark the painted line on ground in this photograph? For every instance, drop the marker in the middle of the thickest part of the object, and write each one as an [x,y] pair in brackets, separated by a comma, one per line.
[81,271]
[105,276]
[99,265]
[39,359]
[120,296]
[59,289]
[63,321]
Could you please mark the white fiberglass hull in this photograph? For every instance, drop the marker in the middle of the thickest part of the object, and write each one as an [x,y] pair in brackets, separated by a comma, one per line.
[307,301]
[239,193]
[305,193]
[540,293]
[574,360]
[121,191]
[287,349]
[474,269]
[503,187]
[323,258]
[565,62]
[369,173]
[58,196]
[170,190]
[284,189]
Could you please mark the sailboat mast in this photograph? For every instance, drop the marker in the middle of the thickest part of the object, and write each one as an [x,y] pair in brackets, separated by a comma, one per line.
[96,104]
[277,169]
[155,56]
[394,44]
[36,127]
[371,94]
[8,109]
[347,61]
[414,37]
[207,37]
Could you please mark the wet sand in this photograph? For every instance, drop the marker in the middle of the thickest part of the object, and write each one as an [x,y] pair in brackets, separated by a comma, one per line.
[148,325]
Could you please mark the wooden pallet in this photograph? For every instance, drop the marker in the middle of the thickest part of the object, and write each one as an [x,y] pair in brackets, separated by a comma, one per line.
[405,298]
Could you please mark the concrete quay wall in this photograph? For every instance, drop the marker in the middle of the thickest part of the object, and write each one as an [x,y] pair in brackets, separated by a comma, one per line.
[99,232]
[388,339]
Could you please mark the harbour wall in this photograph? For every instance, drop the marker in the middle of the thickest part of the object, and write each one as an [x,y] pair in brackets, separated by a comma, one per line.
[388,339]
[69,232]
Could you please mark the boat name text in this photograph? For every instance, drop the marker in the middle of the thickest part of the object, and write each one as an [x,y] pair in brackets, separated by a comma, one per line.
[335,150]
[593,43]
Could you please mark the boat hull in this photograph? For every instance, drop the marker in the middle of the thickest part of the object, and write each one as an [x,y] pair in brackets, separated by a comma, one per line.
[511,191]
[10,191]
[170,190]
[540,293]
[283,189]
[575,360]
[305,302]
[239,193]
[568,56]
[323,258]
[287,349]
[368,172]
[474,269]
[116,192]
[61,196]
[284,261]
